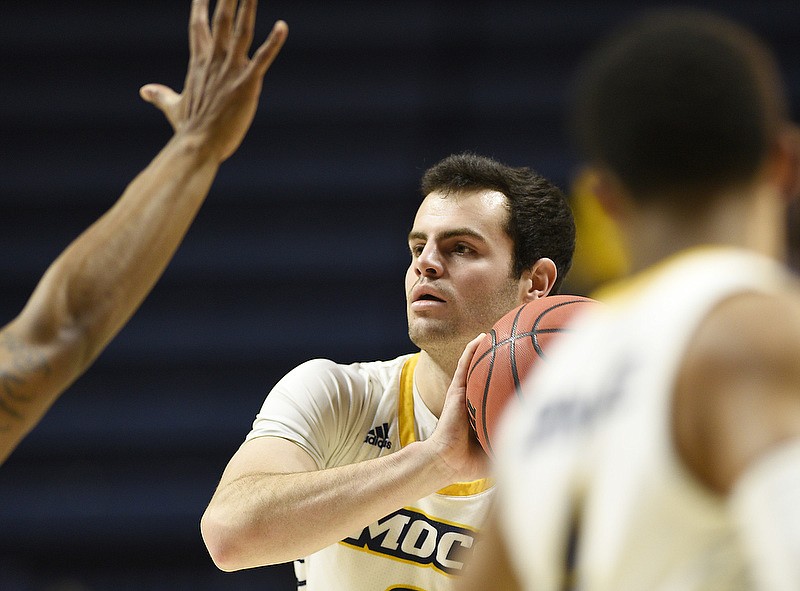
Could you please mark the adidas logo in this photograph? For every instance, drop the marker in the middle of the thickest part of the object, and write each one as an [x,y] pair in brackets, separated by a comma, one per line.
[379,436]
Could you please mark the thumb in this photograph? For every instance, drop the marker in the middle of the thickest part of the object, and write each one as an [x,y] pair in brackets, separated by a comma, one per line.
[466,357]
[159,95]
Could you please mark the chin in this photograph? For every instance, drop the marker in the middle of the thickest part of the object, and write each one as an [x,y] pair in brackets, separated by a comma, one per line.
[437,338]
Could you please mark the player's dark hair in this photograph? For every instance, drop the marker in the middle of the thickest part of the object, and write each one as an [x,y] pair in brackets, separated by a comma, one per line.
[540,221]
[679,103]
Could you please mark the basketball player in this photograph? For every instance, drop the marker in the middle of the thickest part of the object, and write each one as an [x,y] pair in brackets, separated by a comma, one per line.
[91,290]
[367,474]
[660,446]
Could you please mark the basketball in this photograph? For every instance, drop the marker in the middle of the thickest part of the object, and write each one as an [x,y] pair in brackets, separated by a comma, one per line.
[505,356]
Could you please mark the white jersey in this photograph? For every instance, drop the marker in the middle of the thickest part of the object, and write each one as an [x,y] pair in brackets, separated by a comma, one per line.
[343,414]
[593,494]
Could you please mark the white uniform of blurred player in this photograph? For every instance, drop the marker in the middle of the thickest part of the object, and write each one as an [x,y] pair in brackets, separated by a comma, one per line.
[659,448]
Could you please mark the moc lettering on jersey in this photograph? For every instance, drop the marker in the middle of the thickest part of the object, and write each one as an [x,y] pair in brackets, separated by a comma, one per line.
[415,537]
[379,436]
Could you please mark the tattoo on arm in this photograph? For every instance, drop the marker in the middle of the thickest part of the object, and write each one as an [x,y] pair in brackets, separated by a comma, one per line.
[24,364]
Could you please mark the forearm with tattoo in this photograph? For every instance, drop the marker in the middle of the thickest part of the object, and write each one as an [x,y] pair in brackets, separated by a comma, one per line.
[23,364]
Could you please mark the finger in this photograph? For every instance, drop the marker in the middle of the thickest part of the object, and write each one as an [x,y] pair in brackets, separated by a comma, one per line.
[460,375]
[245,23]
[163,98]
[265,55]
[198,27]
[469,350]
[223,24]
[159,95]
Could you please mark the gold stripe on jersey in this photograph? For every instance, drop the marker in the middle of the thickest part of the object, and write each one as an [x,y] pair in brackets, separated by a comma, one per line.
[405,426]
[405,402]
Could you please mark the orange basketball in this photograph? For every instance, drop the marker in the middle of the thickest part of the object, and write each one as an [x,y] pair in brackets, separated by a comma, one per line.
[514,345]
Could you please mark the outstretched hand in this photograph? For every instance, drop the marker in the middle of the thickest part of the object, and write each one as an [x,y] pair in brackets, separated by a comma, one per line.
[223,83]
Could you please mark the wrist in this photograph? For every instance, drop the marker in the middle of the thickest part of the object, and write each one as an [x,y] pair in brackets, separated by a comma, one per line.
[432,463]
[195,145]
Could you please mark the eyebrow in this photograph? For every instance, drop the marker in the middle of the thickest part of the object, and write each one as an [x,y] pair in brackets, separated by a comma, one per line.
[454,233]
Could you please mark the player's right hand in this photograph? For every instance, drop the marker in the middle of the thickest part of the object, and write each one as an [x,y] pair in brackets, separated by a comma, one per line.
[456,442]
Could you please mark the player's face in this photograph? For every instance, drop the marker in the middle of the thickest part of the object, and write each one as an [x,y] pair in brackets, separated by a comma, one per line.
[459,282]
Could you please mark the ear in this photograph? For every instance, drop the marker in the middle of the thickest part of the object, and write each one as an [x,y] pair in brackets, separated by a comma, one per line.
[784,165]
[538,281]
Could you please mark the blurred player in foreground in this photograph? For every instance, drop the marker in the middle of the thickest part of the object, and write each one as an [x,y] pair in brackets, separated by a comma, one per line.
[660,447]
[96,284]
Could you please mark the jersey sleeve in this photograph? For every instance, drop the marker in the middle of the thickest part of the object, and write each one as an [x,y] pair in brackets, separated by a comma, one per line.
[314,406]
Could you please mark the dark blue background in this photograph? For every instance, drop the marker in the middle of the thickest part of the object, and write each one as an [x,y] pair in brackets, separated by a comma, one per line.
[299,252]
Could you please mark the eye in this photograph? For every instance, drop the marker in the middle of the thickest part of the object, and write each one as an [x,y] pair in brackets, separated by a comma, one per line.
[461,248]
[416,249]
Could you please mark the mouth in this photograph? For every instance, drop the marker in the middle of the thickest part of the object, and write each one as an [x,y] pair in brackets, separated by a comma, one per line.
[424,299]
[427,297]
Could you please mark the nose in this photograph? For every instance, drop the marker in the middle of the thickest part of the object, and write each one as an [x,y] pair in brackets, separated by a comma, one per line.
[428,262]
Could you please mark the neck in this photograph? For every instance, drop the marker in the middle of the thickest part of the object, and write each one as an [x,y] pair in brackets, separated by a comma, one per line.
[753,220]
[432,378]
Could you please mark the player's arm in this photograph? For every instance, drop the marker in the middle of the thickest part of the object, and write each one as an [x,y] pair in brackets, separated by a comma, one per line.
[94,286]
[737,425]
[490,566]
[272,504]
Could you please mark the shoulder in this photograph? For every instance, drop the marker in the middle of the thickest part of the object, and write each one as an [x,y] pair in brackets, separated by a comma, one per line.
[332,377]
[738,389]
[380,370]
[751,334]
